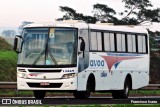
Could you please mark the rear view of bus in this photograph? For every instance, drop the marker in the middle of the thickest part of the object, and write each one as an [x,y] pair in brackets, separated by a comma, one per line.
[47,59]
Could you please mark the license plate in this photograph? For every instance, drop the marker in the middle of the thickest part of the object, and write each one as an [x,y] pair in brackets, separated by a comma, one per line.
[44,83]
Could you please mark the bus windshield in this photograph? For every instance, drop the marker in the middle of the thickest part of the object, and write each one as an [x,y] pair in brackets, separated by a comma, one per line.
[48,46]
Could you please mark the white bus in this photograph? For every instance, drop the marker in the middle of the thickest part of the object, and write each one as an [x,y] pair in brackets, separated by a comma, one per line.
[82,58]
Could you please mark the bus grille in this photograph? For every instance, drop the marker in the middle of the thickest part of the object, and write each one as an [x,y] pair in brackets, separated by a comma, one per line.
[52,85]
[46,71]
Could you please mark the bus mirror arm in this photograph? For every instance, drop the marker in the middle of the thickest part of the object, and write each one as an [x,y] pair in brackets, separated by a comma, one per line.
[82,46]
[79,53]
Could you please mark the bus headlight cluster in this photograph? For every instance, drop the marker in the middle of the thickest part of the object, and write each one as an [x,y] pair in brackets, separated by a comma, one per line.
[71,75]
[22,75]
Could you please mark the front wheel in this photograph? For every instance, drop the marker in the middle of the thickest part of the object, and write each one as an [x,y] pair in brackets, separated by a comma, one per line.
[39,94]
[83,94]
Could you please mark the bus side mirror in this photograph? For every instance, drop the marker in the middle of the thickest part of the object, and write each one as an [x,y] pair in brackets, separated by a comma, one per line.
[17,44]
[82,45]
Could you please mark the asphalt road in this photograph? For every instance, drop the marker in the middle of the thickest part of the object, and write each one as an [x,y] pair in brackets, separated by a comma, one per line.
[63,100]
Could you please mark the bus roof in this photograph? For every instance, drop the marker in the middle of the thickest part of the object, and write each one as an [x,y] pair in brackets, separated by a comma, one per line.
[119,28]
[82,25]
[66,23]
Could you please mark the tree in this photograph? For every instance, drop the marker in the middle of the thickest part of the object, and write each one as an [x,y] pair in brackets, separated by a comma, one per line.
[8,33]
[23,24]
[72,14]
[104,13]
[136,12]
[140,11]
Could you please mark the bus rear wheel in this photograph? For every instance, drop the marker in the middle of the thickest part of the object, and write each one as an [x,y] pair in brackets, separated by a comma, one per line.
[122,94]
[38,94]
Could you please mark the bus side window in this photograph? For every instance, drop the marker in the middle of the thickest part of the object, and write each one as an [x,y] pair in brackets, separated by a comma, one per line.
[133,43]
[130,47]
[112,41]
[94,44]
[109,43]
[144,44]
[121,43]
[99,41]
[140,44]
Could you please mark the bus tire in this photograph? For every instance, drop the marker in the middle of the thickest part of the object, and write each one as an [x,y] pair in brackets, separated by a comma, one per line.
[122,94]
[38,94]
[125,91]
[83,94]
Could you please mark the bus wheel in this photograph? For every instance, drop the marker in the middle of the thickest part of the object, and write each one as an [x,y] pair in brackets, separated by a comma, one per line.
[39,94]
[122,94]
[125,91]
[83,94]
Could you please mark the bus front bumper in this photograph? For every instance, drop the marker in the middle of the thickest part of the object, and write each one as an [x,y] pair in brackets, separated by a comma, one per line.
[57,84]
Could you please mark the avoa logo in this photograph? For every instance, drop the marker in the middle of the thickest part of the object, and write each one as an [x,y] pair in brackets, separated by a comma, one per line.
[97,63]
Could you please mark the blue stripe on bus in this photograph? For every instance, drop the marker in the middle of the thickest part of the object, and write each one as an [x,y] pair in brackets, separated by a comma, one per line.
[123,54]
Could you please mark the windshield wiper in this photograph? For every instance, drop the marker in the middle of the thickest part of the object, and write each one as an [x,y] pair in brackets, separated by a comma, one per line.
[52,57]
[38,57]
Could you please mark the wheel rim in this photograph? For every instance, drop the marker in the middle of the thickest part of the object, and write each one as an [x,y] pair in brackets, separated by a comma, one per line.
[126,90]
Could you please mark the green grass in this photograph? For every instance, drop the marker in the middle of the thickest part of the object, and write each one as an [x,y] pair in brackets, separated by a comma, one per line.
[4,46]
[145,92]
[8,55]
[13,93]
[8,61]
[134,105]
[139,92]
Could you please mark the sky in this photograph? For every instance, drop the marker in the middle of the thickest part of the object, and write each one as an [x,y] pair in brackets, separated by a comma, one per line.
[14,12]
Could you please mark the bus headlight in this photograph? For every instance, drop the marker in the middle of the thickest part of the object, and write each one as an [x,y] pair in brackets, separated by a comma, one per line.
[22,75]
[66,76]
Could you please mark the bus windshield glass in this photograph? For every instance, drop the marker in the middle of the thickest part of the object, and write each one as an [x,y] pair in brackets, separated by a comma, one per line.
[48,46]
